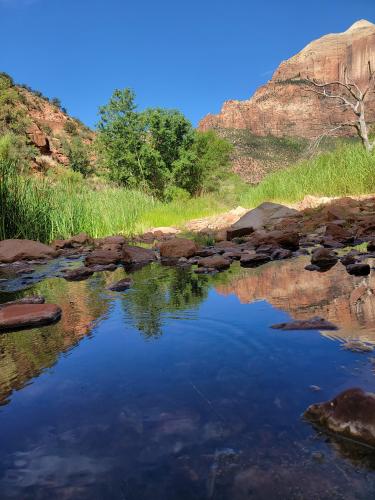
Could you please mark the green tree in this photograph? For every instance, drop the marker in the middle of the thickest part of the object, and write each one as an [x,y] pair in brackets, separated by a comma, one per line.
[78,154]
[120,138]
[157,149]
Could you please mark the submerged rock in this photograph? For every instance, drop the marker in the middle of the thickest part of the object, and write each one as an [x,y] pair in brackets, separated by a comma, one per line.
[351,414]
[316,323]
[281,253]
[121,286]
[19,316]
[357,346]
[215,262]
[178,247]
[13,250]
[103,267]
[349,258]
[34,299]
[205,270]
[254,260]
[359,269]
[79,274]
[324,258]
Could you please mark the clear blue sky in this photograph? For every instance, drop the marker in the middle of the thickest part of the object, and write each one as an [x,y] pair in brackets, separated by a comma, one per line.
[190,55]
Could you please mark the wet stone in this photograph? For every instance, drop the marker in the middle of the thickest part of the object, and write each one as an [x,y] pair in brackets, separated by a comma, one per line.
[103,267]
[281,253]
[324,258]
[215,262]
[351,414]
[359,269]
[21,316]
[250,260]
[34,299]
[358,346]
[121,286]
[315,323]
[79,274]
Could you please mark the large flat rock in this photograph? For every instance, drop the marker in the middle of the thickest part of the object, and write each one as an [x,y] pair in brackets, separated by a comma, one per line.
[259,217]
[19,316]
[13,250]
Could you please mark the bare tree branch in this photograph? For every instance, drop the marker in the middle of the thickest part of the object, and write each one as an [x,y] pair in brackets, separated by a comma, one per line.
[350,96]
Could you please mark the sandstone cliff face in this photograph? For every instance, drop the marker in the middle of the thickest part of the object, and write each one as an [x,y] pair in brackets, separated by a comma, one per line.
[285,108]
[48,127]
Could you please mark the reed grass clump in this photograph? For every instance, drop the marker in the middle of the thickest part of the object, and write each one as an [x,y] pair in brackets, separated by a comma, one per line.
[48,208]
[348,170]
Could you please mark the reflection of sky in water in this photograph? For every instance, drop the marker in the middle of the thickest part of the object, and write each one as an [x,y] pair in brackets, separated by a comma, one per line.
[206,407]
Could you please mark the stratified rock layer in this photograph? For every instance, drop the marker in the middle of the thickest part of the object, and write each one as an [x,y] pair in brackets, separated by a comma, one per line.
[284,107]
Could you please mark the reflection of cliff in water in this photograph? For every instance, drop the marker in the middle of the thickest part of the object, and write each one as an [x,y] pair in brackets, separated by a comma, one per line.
[25,354]
[345,300]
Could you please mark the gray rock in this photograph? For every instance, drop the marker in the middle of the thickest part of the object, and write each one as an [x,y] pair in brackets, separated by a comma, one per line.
[259,217]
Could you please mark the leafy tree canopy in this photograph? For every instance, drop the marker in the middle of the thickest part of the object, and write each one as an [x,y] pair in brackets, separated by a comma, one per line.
[157,149]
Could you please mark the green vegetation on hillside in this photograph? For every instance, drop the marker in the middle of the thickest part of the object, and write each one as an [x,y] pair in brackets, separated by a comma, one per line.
[255,157]
[45,209]
[151,168]
[348,170]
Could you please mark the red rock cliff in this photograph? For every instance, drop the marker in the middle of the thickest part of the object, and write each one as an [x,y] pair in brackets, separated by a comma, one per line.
[284,108]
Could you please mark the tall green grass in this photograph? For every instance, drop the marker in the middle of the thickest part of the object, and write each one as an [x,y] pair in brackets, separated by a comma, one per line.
[349,170]
[46,209]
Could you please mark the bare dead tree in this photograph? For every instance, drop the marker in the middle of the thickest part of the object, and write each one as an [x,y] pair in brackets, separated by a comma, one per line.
[351,97]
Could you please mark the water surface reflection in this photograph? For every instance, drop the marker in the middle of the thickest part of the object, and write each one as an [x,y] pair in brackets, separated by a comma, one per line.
[176,389]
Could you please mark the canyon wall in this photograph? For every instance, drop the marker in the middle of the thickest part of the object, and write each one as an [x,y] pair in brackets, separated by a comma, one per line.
[285,107]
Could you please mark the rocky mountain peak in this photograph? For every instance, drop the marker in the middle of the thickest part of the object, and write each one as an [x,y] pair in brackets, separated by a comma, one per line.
[363,23]
[284,108]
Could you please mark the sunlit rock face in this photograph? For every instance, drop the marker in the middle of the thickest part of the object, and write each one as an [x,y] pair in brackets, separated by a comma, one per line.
[344,300]
[283,108]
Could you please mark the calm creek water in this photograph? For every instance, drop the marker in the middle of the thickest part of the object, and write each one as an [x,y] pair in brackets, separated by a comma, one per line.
[178,389]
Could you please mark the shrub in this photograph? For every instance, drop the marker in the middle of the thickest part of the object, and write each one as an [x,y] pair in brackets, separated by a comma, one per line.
[70,127]
[78,154]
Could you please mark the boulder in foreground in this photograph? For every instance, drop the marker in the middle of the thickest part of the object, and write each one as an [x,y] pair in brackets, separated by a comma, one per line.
[13,250]
[351,414]
[316,323]
[20,316]
[178,247]
[259,217]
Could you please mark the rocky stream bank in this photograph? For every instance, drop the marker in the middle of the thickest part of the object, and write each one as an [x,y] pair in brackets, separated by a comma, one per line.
[342,231]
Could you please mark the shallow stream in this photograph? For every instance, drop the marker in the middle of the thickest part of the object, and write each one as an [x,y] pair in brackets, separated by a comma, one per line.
[178,389]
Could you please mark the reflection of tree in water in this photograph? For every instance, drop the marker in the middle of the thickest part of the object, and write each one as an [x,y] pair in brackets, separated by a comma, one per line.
[159,290]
